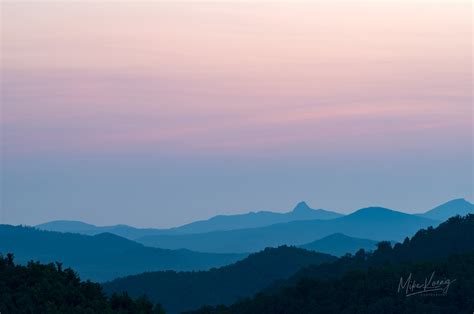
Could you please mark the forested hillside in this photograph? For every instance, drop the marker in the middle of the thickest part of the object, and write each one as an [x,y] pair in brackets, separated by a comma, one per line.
[179,291]
[368,282]
[41,288]
[450,237]
[373,291]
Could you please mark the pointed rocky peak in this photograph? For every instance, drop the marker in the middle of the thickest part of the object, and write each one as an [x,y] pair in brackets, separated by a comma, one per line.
[302,207]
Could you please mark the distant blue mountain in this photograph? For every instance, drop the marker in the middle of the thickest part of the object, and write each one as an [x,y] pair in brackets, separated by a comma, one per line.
[256,219]
[218,223]
[338,244]
[374,223]
[88,229]
[452,208]
[68,225]
[104,256]
[254,231]
[182,291]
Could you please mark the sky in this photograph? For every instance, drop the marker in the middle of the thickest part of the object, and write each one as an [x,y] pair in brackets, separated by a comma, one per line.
[161,113]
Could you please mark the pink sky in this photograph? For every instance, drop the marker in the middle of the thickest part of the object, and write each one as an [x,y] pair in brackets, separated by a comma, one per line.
[333,93]
[231,77]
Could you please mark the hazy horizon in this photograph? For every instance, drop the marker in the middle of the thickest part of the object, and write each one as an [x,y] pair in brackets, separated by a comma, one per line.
[254,211]
[160,114]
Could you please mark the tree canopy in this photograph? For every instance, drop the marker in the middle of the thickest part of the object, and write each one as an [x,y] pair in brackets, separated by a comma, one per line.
[48,288]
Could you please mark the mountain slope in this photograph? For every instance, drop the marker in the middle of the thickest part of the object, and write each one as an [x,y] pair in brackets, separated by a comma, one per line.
[450,209]
[338,244]
[69,226]
[427,244]
[88,229]
[188,290]
[218,223]
[104,256]
[370,223]
[253,220]
[367,282]
[373,291]
[38,288]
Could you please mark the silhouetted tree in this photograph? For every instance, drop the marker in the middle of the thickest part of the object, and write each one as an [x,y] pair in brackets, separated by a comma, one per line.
[367,282]
[40,288]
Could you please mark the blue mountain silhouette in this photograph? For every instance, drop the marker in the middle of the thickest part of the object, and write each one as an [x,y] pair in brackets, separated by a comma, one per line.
[452,208]
[79,227]
[256,219]
[217,223]
[338,244]
[104,256]
[254,231]
[181,291]
[374,223]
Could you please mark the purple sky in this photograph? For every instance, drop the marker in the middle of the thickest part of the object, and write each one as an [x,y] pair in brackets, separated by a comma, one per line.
[157,114]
